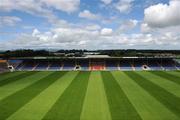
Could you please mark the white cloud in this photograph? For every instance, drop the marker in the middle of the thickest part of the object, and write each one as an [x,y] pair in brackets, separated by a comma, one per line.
[32,7]
[145,28]
[92,27]
[106,31]
[163,15]
[41,8]
[35,32]
[29,6]
[64,35]
[124,6]
[80,38]
[106,1]
[128,25]
[63,5]
[88,15]
[9,20]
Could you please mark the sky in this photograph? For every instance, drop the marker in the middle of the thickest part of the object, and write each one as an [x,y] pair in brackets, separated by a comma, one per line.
[89,24]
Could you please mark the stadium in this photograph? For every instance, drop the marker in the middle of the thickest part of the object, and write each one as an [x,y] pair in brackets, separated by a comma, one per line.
[94,62]
[89,60]
[90,86]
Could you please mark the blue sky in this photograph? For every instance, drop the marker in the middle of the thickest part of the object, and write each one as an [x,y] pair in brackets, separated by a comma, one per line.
[89,24]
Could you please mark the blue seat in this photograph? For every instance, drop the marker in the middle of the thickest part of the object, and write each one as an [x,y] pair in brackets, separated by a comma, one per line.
[68,65]
[55,66]
[42,66]
[111,65]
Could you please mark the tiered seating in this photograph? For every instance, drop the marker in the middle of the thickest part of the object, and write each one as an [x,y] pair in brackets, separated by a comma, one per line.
[42,65]
[68,65]
[14,63]
[55,66]
[177,63]
[112,65]
[3,66]
[125,65]
[97,66]
[168,65]
[29,65]
[20,65]
[154,65]
[178,66]
[138,64]
[83,64]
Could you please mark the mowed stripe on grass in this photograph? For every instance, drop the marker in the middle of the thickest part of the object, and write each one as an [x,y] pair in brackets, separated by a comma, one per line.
[176,73]
[169,100]
[12,103]
[13,87]
[15,78]
[4,73]
[168,76]
[69,105]
[95,105]
[9,74]
[41,104]
[168,85]
[120,106]
[146,105]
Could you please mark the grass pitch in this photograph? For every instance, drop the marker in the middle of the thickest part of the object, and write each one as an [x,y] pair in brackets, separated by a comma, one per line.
[97,95]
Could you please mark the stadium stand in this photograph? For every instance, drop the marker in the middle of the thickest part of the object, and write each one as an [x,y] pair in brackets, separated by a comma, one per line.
[42,65]
[112,65]
[97,65]
[68,65]
[140,64]
[100,64]
[3,66]
[56,65]
[154,65]
[14,63]
[178,66]
[177,63]
[29,65]
[125,65]
[20,66]
[168,65]
[83,64]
